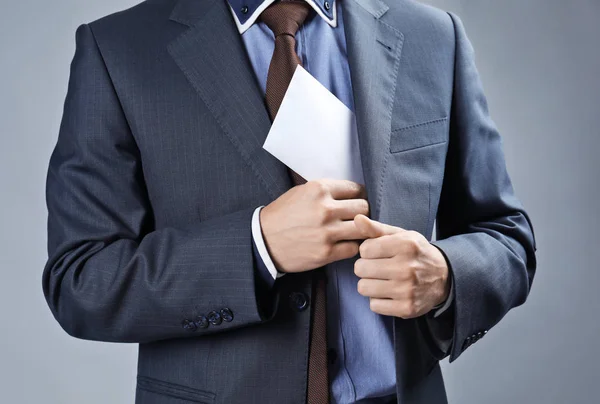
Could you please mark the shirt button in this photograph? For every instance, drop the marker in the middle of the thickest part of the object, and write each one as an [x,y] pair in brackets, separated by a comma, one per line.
[214,318]
[298,301]
[244,10]
[327,6]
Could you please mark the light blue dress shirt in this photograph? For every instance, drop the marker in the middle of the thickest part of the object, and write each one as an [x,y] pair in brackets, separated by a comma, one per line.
[360,340]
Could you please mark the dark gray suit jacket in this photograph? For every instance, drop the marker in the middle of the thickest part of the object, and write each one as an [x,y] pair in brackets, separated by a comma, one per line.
[159,166]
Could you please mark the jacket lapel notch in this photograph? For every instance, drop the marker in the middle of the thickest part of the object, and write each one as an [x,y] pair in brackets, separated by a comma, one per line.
[376,8]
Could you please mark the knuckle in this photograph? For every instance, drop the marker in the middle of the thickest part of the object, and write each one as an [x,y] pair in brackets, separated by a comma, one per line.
[321,217]
[327,235]
[326,250]
[328,210]
[414,241]
[412,275]
[318,187]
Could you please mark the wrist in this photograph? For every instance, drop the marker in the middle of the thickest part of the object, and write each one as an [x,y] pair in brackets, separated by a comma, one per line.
[265,226]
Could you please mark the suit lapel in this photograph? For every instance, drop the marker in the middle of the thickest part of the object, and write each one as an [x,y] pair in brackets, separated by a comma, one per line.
[211,54]
[374,50]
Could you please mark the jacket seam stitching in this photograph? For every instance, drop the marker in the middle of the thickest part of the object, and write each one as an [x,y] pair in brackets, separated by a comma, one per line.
[420,124]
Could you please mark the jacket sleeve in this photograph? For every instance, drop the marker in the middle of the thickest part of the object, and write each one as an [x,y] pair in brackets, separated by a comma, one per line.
[110,275]
[482,228]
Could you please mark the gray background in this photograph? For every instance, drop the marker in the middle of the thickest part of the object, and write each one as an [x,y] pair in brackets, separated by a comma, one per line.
[539,61]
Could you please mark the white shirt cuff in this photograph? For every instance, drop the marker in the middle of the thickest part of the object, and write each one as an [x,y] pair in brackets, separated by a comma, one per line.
[260,245]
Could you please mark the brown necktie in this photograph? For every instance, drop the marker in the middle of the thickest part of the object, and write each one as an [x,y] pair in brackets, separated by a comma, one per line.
[284,18]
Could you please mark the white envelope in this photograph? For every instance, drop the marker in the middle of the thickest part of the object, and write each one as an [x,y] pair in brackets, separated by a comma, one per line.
[314,133]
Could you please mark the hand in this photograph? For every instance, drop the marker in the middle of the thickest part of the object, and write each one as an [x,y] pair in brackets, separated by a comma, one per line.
[312,224]
[402,273]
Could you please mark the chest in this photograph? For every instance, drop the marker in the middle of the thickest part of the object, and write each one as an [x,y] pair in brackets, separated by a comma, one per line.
[199,119]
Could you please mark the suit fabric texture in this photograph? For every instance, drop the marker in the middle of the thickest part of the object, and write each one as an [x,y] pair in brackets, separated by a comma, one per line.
[159,166]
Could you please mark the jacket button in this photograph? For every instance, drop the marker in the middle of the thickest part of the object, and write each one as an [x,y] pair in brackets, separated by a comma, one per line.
[201,321]
[227,314]
[214,318]
[188,325]
[466,343]
[298,301]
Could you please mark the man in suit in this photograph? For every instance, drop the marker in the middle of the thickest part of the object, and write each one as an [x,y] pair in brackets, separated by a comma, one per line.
[170,226]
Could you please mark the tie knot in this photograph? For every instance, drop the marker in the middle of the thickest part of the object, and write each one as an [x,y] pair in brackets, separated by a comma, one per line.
[285,16]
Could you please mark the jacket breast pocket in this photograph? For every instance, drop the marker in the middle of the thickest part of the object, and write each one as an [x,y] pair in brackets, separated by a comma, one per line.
[154,391]
[419,135]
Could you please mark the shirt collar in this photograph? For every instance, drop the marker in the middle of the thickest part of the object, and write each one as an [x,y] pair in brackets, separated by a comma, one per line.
[245,12]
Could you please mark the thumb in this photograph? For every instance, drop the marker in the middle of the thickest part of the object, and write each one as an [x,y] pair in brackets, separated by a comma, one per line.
[372,228]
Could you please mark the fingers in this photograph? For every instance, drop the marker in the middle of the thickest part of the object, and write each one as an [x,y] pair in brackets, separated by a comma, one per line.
[343,250]
[344,231]
[376,269]
[347,209]
[380,247]
[387,307]
[372,228]
[343,189]
[379,288]
[407,243]
[391,307]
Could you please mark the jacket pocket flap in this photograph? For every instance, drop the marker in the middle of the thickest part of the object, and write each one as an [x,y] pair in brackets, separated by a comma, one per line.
[175,390]
[418,135]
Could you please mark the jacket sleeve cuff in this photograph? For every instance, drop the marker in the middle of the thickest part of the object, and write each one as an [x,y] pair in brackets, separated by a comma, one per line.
[441,308]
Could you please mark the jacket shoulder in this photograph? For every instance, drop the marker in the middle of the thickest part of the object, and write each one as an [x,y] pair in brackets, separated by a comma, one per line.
[141,11]
[140,18]
[141,31]
[423,19]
